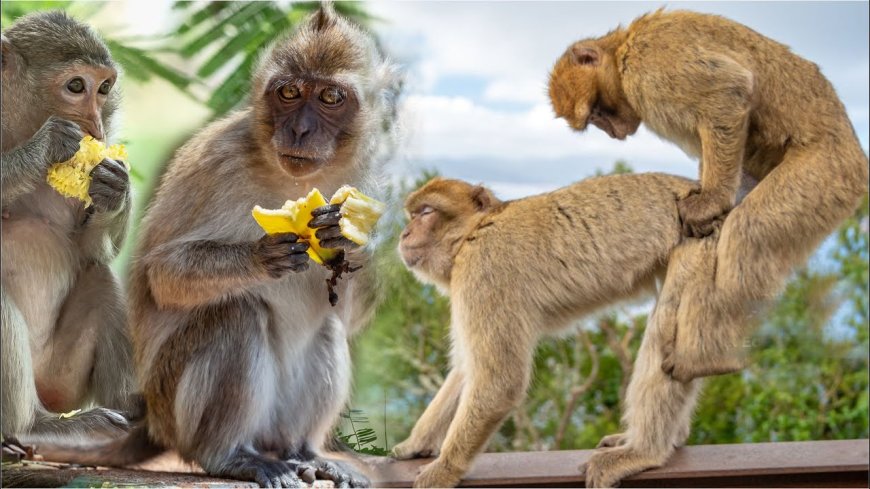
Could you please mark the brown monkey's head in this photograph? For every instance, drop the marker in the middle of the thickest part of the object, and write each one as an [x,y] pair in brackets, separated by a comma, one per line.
[585,87]
[55,65]
[323,96]
[441,214]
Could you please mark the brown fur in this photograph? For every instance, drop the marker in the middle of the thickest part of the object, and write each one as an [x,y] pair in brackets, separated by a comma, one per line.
[515,271]
[740,102]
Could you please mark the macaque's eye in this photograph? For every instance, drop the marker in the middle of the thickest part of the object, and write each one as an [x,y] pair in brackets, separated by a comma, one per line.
[288,92]
[422,211]
[331,96]
[105,87]
[76,85]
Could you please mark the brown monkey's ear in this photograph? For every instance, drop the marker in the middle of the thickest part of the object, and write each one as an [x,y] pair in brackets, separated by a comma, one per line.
[585,55]
[483,198]
[325,16]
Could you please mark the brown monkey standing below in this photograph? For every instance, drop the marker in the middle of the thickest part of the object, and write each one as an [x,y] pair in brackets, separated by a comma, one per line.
[238,350]
[515,271]
[65,342]
[740,102]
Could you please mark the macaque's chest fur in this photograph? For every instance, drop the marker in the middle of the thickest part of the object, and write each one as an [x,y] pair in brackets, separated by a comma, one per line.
[40,263]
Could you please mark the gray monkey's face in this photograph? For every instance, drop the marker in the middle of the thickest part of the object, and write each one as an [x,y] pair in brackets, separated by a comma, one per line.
[312,120]
[79,93]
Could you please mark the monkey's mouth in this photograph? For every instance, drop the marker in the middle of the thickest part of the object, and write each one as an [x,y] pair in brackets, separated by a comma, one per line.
[300,165]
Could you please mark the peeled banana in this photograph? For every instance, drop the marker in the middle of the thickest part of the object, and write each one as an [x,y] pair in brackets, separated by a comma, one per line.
[359,214]
[72,178]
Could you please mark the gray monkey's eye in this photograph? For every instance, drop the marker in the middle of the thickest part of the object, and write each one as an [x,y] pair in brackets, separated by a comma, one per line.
[331,96]
[105,87]
[288,92]
[76,85]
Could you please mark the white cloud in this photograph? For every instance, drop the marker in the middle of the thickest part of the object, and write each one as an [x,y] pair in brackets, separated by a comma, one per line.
[517,90]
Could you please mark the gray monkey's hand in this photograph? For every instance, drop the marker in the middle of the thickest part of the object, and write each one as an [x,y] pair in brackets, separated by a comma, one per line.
[110,185]
[327,229]
[58,139]
[281,253]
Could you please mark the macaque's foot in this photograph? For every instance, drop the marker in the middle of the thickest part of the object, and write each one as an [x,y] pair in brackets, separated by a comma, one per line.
[702,213]
[409,449]
[685,366]
[264,471]
[14,451]
[340,473]
[438,474]
[614,440]
[608,466]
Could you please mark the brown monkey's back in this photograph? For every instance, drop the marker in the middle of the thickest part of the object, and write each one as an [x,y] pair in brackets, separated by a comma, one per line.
[793,103]
[595,236]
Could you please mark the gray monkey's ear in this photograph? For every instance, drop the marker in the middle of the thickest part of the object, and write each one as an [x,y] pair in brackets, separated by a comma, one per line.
[585,55]
[8,58]
[483,198]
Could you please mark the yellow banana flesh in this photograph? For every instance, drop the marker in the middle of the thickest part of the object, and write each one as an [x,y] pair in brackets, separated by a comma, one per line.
[72,178]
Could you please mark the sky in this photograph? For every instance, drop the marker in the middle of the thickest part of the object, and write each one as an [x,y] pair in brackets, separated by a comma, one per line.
[476,107]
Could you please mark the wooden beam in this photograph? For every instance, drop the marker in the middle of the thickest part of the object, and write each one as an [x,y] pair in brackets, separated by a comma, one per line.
[841,463]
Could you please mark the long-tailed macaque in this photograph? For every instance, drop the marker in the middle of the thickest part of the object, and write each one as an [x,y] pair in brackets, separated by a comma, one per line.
[65,343]
[738,101]
[238,351]
[515,271]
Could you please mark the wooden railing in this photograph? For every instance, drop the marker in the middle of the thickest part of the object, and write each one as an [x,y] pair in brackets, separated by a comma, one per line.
[796,464]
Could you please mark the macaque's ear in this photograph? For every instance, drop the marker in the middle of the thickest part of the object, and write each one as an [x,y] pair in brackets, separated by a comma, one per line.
[325,16]
[586,55]
[483,199]
[7,54]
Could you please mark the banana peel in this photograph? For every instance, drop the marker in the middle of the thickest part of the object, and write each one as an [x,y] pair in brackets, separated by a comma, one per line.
[72,178]
[359,214]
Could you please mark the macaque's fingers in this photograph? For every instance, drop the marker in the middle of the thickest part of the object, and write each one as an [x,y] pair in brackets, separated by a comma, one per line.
[285,238]
[339,243]
[325,209]
[62,138]
[115,167]
[328,219]
[328,232]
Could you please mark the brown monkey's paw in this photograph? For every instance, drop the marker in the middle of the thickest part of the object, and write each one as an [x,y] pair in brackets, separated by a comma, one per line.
[409,449]
[702,213]
[684,367]
[608,466]
[614,440]
[438,474]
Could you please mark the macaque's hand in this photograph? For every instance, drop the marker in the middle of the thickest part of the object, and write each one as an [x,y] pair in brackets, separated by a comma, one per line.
[281,253]
[701,213]
[59,140]
[110,186]
[327,229]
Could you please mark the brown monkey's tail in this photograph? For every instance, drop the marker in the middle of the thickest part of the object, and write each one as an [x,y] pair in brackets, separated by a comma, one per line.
[133,448]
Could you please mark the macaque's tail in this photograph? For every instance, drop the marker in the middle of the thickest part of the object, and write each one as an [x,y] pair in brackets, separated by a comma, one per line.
[133,448]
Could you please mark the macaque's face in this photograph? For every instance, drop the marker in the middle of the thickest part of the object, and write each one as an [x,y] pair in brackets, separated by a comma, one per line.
[440,214]
[79,93]
[577,94]
[311,120]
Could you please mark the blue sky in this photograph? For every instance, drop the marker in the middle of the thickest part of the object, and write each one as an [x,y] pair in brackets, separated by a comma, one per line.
[476,105]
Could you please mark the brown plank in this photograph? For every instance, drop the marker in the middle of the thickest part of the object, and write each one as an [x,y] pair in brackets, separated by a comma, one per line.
[794,464]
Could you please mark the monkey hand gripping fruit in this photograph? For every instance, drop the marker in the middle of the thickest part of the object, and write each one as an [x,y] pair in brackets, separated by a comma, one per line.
[72,178]
[359,214]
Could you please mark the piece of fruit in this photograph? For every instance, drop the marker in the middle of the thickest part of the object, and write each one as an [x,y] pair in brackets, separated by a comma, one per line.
[293,217]
[72,178]
[359,213]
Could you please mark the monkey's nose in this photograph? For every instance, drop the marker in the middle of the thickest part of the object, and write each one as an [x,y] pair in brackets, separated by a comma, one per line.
[94,128]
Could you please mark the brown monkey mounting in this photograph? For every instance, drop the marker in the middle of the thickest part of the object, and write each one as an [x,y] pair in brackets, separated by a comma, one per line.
[740,102]
[238,350]
[64,342]
[515,271]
